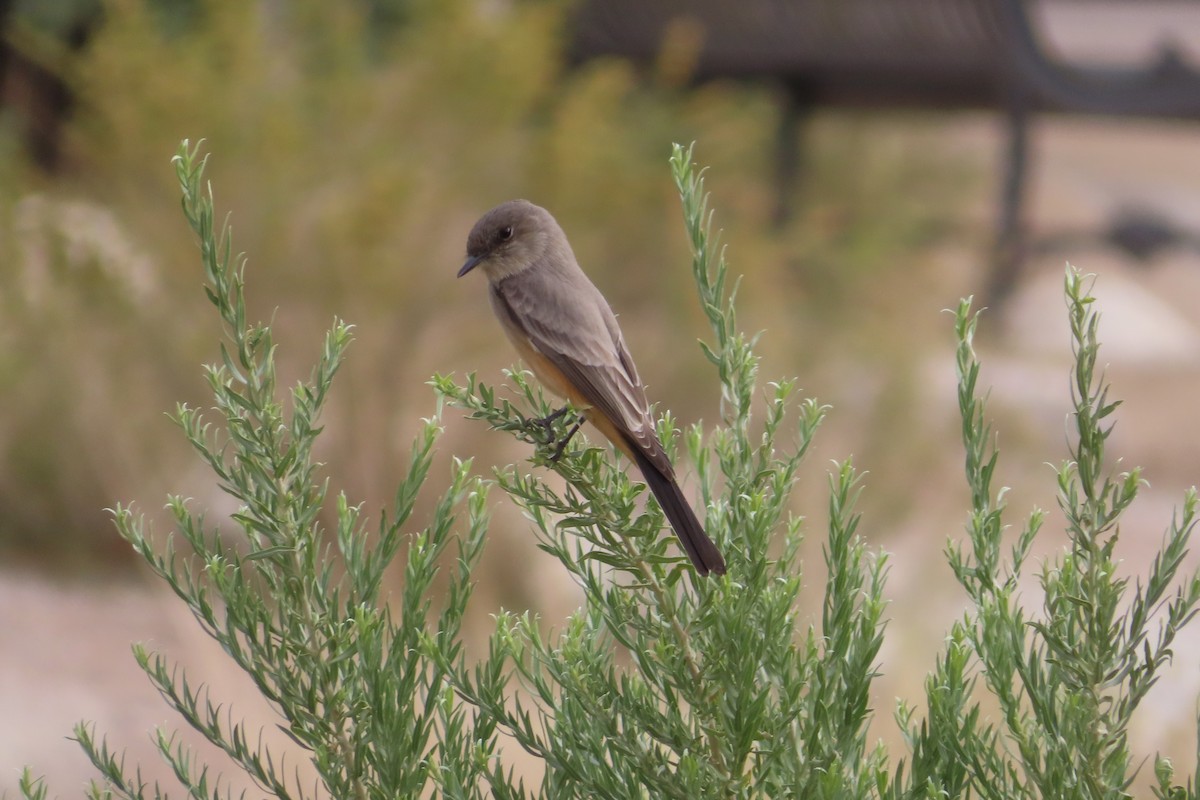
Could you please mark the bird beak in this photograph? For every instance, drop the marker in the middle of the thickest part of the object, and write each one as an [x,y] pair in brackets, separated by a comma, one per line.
[470,264]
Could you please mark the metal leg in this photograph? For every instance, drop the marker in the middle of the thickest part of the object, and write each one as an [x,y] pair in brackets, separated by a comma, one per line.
[1009,251]
[788,159]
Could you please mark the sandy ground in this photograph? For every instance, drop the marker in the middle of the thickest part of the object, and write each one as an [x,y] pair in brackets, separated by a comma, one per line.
[67,658]
[66,644]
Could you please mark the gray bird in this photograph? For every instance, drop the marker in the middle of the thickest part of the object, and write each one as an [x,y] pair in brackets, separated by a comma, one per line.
[566,332]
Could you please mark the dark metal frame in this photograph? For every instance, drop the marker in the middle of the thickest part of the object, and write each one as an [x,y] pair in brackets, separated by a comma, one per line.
[929,54]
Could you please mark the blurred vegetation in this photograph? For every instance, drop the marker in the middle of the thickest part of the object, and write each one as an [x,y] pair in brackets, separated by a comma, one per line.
[358,143]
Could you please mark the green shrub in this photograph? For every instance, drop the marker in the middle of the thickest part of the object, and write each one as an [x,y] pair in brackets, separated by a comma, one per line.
[662,684]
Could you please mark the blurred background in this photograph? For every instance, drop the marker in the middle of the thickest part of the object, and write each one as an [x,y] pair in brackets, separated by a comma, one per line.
[863,173]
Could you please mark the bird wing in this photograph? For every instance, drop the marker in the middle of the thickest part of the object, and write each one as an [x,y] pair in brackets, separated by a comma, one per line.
[570,323]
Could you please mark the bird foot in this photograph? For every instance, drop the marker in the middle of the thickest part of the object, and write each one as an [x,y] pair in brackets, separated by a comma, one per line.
[547,424]
[562,445]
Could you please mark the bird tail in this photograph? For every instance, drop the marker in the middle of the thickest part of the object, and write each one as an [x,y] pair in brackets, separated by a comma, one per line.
[699,548]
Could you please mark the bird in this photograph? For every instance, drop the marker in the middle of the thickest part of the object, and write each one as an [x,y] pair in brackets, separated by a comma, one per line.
[566,332]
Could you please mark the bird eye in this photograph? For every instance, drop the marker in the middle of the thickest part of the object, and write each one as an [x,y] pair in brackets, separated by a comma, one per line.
[506,233]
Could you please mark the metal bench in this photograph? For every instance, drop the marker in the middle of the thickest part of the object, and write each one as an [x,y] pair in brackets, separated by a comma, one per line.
[923,54]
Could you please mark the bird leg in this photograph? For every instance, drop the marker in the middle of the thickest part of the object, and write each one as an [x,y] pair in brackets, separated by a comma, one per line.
[562,445]
[547,424]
